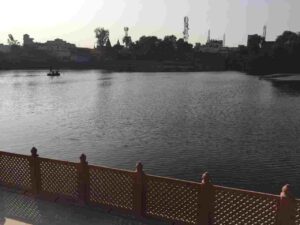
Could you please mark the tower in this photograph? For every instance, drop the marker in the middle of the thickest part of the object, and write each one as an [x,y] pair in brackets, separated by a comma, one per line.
[186,29]
[264,32]
[208,36]
[126,29]
[224,38]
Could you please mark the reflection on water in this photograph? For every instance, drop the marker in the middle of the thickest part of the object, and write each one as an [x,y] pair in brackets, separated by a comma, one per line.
[243,130]
[288,88]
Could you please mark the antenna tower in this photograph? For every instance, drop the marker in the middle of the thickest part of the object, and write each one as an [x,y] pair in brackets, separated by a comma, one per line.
[126,29]
[186,29]
[265,32]
[208,36]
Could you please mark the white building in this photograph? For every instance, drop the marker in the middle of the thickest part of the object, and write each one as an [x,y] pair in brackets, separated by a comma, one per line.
[58,47]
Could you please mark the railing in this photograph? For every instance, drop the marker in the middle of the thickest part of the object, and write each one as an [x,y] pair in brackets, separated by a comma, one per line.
[146,196]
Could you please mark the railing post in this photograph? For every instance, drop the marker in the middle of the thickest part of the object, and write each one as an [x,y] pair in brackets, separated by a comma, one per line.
[286,211]
[35,172]
[206,201]
[139,191]
[83,180]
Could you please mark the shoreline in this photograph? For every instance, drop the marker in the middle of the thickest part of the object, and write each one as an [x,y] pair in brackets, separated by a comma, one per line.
[146,66]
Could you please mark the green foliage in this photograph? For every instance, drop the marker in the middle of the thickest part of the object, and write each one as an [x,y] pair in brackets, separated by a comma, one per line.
[11,41]
[102,36]
[127,41]
[108,44]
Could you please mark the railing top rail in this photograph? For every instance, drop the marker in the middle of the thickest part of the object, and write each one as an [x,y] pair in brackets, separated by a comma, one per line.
[14,154]
[58,161]
[247,191]
[112,169]
[175,180]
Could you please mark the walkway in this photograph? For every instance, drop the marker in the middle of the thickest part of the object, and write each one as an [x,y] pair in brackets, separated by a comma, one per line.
[17,209]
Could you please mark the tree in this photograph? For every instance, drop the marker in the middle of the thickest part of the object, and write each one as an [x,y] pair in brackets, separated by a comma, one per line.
[108,44]
[287,38]
[117,46]
[167,48]
[11,41]
[147,47]
[127,41]
[102,36]
[286,52]
[171,39]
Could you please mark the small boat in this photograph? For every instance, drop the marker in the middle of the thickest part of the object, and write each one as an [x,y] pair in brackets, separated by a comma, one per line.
[53,73]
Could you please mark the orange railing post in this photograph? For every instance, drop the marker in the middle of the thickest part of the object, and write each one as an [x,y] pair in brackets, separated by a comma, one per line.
[35,172]
[83,180]
[206,201]
[139,191]
[286,211]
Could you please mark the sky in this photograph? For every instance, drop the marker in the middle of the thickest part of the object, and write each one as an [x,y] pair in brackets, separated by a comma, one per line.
[75,21]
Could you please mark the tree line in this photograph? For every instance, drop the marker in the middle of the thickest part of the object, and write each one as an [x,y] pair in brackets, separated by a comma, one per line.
[259,57]
[146,48]
[262,57]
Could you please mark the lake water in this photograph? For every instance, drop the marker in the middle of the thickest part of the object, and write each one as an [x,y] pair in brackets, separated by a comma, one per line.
[244,131]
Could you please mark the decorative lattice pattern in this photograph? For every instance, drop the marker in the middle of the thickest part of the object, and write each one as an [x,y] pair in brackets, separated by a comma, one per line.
[297,222]
[172,199]
[59,178]
[234,207]
[15,170]
[111,187]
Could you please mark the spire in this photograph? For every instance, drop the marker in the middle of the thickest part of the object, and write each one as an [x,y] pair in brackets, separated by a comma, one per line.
[186,29]
[265,32]
[208,36]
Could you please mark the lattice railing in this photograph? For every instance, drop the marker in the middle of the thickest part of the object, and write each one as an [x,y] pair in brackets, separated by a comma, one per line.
[297,222]
[233,207]
[146,195]
[59,178]
[15,170]
[172,199]
[111,187]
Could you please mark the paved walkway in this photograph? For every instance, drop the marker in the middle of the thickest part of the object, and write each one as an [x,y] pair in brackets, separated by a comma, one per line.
[19,209]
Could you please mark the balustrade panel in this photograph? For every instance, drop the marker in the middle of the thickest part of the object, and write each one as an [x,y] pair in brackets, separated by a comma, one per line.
[59,178]
[172,199]
[112,187]
[15,170]
[238,207]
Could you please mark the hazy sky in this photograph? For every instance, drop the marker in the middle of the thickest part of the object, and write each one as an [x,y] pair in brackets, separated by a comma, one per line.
[76,20]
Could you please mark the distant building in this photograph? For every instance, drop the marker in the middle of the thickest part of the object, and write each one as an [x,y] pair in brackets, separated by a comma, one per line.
[214,44]
[27,40]
[255,41]
[57,48]
[4,48]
